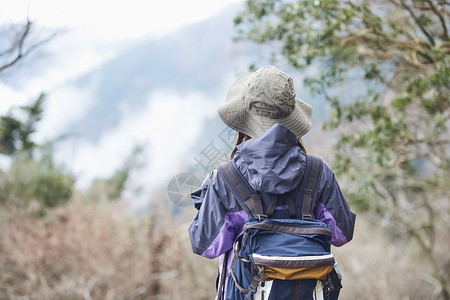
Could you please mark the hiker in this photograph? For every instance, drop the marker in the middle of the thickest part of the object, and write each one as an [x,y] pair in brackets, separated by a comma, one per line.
[269,154]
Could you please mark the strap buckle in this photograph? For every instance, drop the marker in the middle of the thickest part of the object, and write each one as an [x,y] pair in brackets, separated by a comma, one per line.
[262,217]
[307,217]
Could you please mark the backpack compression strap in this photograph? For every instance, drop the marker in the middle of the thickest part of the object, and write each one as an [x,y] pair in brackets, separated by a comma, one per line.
[314,166]
[246,196]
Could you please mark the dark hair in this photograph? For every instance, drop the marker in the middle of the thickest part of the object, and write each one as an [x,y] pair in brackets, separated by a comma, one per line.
[242,137]
[302,146]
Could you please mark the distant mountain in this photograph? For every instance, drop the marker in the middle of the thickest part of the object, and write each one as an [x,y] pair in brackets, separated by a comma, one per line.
[195,58]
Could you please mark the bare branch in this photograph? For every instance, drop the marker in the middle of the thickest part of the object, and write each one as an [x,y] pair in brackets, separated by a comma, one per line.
[416,20]
[441,19]
[19,46]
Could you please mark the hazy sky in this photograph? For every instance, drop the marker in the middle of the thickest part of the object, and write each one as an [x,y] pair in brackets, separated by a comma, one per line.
[93,26]
[112,19]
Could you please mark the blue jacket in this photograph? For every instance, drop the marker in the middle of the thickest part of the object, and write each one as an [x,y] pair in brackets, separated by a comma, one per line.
[273,164]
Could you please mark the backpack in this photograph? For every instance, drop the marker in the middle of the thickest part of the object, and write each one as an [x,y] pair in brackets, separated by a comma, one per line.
[292,248]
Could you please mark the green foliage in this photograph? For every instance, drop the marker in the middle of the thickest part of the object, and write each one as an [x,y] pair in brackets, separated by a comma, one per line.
[39,181]
[110,189]
[9,129]
[33,177]
[15,133]
[384,68]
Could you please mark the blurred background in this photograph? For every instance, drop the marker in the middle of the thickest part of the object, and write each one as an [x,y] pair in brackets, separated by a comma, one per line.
[108,121]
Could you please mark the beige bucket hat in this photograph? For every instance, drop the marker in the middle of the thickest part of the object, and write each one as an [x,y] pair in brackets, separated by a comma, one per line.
[257,101]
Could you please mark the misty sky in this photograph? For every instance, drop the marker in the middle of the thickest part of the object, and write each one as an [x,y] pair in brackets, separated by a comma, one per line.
[92,27]
[112,19]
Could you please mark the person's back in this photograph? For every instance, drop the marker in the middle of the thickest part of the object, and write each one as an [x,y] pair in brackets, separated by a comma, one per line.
[274,163]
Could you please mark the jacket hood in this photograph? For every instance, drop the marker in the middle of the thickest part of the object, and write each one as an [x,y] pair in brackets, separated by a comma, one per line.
[273,161]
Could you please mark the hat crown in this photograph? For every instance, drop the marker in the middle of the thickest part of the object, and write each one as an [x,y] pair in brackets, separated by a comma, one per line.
[257,101]
[270,93]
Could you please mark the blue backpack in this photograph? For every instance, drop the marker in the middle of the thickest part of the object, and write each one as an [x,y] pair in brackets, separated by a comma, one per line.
[271,248]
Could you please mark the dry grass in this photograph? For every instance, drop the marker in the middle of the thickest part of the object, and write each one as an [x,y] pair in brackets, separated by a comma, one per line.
[82,251]
[73,252]
[375,267]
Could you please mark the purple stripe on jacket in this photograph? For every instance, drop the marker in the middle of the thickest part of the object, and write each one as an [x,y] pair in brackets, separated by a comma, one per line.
[233,225]
[321,213]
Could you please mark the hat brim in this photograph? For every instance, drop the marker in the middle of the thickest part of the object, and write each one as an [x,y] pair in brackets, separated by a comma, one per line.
[235,114]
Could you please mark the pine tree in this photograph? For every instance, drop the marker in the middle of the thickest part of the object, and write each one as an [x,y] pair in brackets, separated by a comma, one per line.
[17,134]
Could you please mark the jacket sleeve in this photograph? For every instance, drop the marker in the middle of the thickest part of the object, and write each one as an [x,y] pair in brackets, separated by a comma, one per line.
[215,226]
[333,208]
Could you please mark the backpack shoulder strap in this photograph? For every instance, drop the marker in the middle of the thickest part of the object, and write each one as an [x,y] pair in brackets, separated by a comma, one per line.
[245,195]
[314,165]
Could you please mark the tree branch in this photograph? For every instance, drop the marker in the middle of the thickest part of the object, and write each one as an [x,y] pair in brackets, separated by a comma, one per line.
[441,19]
[19,46]
[416,20]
